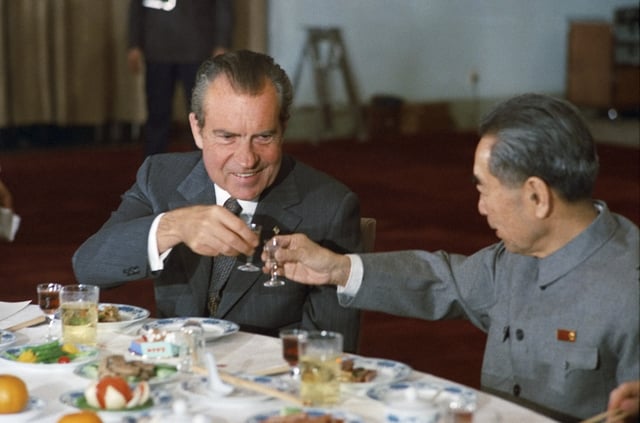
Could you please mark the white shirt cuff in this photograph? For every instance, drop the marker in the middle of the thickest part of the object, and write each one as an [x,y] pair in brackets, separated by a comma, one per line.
[156,260]
[355,277]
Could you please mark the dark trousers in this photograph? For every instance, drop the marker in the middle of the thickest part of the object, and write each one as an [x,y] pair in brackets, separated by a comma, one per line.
[160,86]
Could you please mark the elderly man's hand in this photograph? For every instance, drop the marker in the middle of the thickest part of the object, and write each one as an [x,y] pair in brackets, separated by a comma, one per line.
[627,398]
[306,262]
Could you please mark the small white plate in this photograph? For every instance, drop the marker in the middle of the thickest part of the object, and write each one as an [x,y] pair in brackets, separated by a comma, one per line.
[311,412]
[6,338]
[451,395]
[198,387]
[169,374]
[158,399]
[213,328]
[87,353]
[34,407]
[128,315]
[387,371]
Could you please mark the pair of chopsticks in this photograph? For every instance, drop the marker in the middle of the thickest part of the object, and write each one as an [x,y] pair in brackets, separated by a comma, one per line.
[31,322]
[608,417]
[252,386]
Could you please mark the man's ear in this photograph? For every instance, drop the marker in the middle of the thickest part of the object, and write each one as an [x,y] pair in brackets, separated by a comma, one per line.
[539,194]
[195,130]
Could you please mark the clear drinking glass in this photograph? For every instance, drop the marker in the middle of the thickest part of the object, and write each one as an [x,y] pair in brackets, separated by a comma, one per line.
[271,246]
[49,302]
[79,313]
[320,368]
[249,266]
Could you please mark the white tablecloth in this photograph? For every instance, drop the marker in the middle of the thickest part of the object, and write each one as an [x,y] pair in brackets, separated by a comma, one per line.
[236,352]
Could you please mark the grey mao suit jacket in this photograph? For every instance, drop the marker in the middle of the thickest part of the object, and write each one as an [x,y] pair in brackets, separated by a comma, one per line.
[301,200]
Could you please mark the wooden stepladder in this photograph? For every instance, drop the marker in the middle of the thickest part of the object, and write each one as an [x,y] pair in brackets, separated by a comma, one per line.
[326,51]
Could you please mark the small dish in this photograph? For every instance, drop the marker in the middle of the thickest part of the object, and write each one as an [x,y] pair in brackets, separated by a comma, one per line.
[197,387]
[6,338]
[128,315]
[387,371]
[87,353]
[164,373]
[451,395]
[344,416]
[158,399]
[213,328]
[33,409]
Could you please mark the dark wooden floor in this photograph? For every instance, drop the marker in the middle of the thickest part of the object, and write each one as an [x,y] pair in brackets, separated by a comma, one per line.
[418,189]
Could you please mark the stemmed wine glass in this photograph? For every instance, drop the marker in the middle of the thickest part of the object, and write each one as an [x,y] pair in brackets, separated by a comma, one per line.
[249,266]
[271,246]
[49,302]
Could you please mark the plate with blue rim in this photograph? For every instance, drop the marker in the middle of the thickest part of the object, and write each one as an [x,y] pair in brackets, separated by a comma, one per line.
[6,338]
[213,328]
[343,416]
[387,371]
[34,408]
[85,354]
[449,394]
[199,389]
[127,315]
[158,399]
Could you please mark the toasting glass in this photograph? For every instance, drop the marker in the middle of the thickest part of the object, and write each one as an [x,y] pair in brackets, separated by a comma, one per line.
[49,302]
[271,246]
[249,266]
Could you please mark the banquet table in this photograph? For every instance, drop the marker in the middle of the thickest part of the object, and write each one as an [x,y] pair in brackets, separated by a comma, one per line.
[237,352]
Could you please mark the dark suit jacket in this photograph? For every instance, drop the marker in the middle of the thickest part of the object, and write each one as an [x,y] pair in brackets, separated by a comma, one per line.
[301,200]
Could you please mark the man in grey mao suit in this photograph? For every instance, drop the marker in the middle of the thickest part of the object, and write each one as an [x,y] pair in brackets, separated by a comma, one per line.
[558,296]
[170,224]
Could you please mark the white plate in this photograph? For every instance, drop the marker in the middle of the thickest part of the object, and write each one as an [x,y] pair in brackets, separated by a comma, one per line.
[90,371]
[87,354]
[451,395]
[128,315]
[213,328]
[198,387]
[312,412]
[387,371]
[160,398]
[6,338]
[34,407]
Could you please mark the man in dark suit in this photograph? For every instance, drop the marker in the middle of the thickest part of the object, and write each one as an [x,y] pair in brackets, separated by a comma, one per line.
[171,224]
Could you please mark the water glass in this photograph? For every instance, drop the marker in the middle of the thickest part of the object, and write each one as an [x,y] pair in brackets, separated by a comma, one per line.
[79,313]
[320,358]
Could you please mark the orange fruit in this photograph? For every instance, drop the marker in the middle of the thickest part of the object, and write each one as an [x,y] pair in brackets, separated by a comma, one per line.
[14,395]
[80,417]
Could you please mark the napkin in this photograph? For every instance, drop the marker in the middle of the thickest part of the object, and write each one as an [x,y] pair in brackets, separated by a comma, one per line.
[16,314]
[9,223]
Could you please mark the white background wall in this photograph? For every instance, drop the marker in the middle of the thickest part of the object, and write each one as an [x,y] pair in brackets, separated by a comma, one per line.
[425,50]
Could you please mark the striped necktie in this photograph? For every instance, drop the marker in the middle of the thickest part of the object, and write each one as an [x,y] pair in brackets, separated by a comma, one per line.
[222,266]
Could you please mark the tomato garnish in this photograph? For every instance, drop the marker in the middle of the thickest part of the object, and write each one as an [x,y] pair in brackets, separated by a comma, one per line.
[64,359]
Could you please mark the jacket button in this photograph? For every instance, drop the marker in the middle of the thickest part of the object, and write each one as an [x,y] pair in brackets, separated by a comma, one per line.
[519,334]
[516,390]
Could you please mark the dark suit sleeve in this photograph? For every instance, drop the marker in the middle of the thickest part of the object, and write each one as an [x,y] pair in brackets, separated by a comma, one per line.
[322,310]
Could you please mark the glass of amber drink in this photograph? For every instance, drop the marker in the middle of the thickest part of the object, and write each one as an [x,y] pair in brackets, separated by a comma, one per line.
[320,358]
[79,313]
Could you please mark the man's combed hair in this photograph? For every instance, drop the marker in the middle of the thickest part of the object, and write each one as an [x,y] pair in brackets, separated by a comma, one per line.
[248,72]
[542,136]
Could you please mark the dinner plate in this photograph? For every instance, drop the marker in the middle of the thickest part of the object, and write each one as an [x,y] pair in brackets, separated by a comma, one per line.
[128,315]
[158,399]
[213,328]
[6,338]
[165,373]
[346,417]
[86,354]
[198,388]
[451,395]
[33,408]
[387,371]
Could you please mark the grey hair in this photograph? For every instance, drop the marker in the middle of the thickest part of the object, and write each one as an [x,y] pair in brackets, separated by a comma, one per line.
[247,72]
[542,136]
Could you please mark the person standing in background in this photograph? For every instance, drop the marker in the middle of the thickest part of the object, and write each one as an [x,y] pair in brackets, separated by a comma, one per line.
[172,38]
